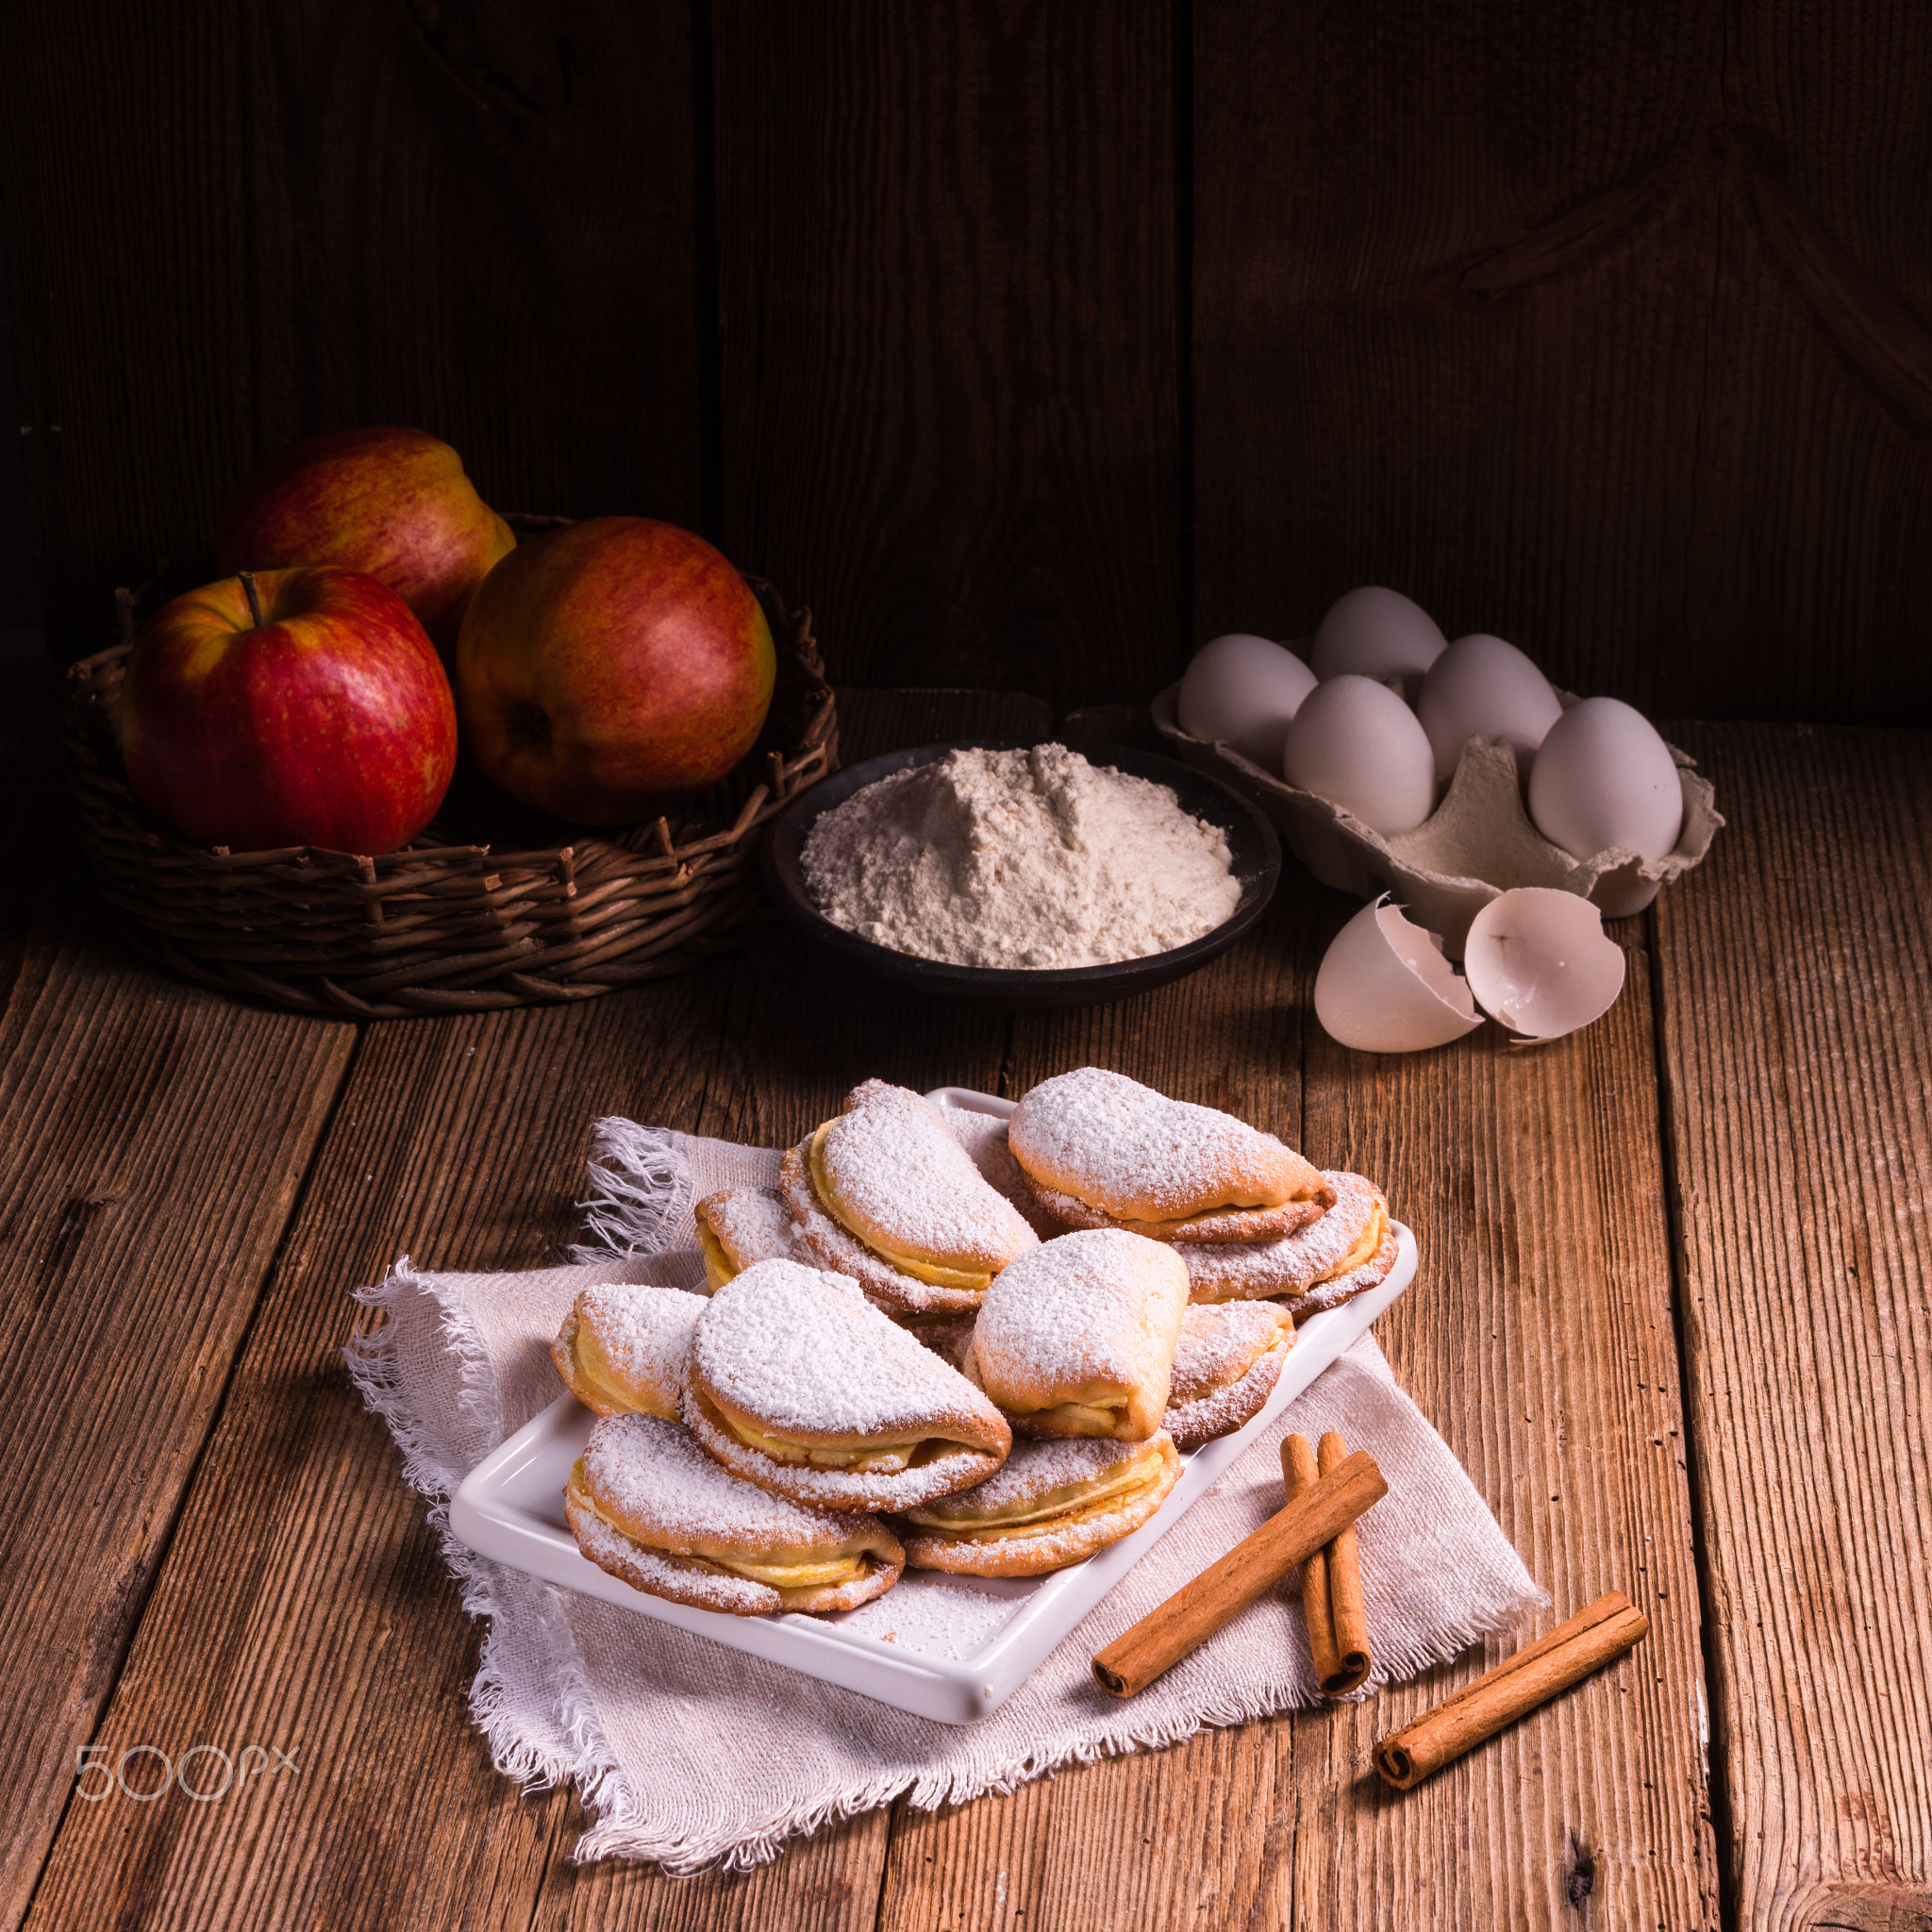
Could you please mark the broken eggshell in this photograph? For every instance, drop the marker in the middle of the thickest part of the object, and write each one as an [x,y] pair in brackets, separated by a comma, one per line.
[1538,960]
[1384,986]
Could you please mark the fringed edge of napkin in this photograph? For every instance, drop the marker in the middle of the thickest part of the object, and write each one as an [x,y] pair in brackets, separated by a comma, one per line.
[640,1186]
[620,1833]
[587,1761]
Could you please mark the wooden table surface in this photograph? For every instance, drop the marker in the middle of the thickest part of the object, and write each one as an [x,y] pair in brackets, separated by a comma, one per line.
[1672,1318]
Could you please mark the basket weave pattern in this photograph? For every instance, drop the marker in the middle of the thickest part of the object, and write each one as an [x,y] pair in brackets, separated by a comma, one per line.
[445,926]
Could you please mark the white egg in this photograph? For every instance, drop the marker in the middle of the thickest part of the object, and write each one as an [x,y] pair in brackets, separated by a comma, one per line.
[1356,744]
[1384,986]
[1482,685]
[1604,780]
[1241,691]
[1376,633]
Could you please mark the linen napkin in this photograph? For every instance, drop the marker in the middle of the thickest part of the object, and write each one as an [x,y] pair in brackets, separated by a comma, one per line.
[691,1753]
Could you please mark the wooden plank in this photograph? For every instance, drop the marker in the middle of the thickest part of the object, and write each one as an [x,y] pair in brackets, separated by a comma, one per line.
[157,1138]
[305,1602]
[1538,1340]
[1794,973]
[950,377]
[235,229]
[1507,308]
[1545,1353]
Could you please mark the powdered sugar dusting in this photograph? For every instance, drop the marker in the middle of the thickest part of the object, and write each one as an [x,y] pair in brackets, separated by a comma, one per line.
[1033,1549]
[943,1466]
[839,1249]
[1219,1409]
[1248,1224]
[1131,1149]
[1033,1470]
[1291,1266]
[1218,1345]
[682,1579]
[641,1470]
[898,1170]
[645,1332]
[984,1137]
[754,1225]
[1344,1288]
[1081,1309]
[936,1619]
[1031,859]
[804,1351]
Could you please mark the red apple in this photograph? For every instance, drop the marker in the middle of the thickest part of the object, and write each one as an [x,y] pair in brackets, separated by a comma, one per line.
[610,669]
[393,502]
[323,717]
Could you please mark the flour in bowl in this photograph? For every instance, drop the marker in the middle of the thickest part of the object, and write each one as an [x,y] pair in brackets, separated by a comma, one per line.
[1028,859]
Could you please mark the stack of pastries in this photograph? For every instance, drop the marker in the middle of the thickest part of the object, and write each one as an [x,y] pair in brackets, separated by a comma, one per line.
[976,1352]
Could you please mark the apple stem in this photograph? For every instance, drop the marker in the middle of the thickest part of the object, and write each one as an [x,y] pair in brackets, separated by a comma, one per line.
[254,598]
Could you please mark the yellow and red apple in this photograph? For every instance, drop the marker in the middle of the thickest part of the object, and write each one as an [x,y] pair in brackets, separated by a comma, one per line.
[291,707]
[394,503]
[610,669]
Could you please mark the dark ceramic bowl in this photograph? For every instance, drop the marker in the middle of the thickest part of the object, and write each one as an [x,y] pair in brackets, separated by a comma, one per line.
[1251,842]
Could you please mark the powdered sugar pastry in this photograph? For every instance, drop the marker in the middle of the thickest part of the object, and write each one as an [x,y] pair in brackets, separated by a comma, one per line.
[805,1352]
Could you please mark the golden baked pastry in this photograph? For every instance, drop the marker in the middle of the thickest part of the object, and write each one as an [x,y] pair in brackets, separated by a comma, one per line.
[1226,1365]
[646,1503]
[739,1225]
[1222,1224]
[885,1193]
[1077,1336]
[1347,1253]
[798,1384]
[622,1347]
[1052,1504]
[1099,1150]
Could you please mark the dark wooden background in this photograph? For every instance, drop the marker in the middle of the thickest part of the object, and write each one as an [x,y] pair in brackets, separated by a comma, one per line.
[1033,341]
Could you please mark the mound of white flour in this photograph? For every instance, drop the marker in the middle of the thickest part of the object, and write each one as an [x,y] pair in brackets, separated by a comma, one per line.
[1020,858]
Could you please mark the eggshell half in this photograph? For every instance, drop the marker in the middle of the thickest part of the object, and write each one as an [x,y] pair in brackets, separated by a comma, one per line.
[1538,960]
[1384,986]
[1244,691]
[1376,633]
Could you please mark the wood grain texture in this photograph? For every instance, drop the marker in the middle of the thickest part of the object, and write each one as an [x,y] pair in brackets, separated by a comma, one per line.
[305,1604]
[950,381]
[1609,331]
[127,1280]
[240,224]
[1603,331]
[1539,1339]
[1794,973]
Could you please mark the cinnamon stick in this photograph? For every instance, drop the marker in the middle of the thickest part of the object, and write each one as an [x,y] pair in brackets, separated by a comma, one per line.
[1570,1652]
[1300,1471]
[1345,1590]
[1291,1536]
[1331,1579]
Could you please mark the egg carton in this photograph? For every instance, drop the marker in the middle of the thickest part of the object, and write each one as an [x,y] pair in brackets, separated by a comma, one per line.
[1478,842]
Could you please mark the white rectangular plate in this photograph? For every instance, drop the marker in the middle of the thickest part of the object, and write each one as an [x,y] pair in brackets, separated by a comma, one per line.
[959,1647]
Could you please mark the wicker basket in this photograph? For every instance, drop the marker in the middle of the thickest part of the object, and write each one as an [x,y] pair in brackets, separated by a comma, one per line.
[486,909]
